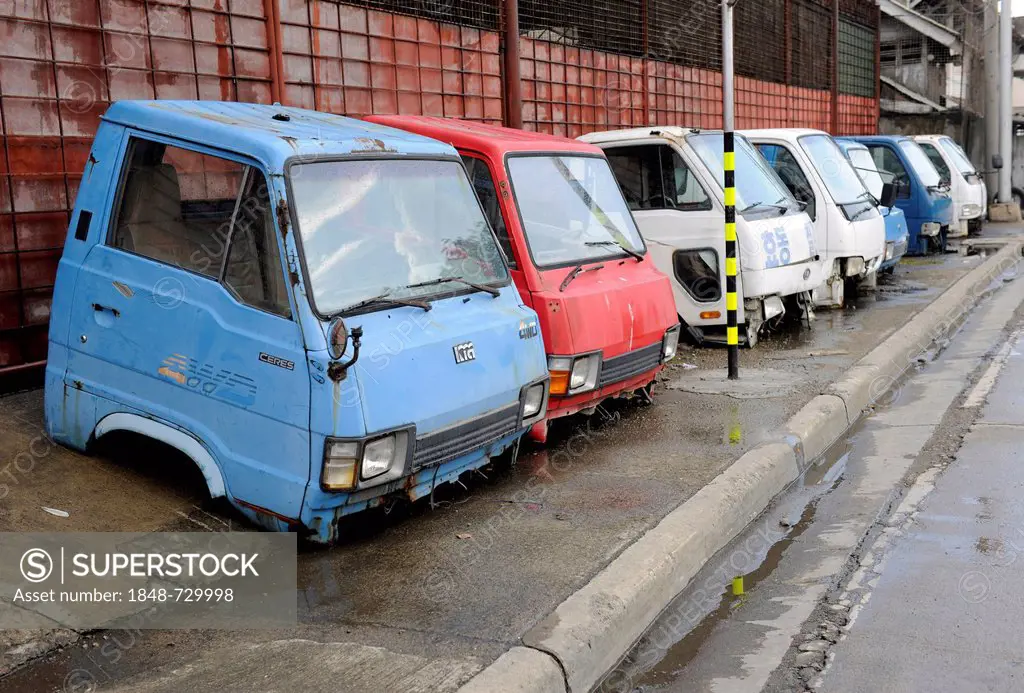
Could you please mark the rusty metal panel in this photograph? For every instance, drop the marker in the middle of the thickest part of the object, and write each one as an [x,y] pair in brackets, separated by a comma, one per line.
[61,63]
[355,60]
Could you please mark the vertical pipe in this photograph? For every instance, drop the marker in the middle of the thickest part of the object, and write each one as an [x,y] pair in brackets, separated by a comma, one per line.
[787,19]
[274,47]
[835,67]
[990,32]
[729,166]
[513,86]
[878,72]
[1006,101]
[646,58]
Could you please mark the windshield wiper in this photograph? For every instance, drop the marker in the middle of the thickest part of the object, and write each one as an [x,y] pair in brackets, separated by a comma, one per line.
[758,205]
[576,271]
[866,195]
[628,251]
[449,280]
[385,298]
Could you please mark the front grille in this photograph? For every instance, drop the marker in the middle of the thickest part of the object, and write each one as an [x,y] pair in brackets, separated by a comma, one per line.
[455,441]
[629,365]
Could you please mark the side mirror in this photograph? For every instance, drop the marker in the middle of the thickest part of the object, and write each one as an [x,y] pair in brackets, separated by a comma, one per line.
[997,161]
[889,193]
[337,339]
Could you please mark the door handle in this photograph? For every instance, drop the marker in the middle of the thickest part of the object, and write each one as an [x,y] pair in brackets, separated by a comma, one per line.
[106,309]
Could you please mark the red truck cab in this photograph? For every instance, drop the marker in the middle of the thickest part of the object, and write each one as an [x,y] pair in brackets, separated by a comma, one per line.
[607,315]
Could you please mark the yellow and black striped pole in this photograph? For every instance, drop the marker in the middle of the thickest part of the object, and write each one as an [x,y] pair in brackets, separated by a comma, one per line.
[729,161]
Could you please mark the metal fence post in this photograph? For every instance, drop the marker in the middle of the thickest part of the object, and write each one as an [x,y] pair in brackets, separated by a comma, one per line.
[729,165]
[835,67]
[513,85]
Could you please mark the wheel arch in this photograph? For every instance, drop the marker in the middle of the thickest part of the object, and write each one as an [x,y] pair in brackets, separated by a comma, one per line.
[169,435]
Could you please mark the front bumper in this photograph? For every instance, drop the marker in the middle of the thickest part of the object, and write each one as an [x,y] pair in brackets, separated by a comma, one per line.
[618,375]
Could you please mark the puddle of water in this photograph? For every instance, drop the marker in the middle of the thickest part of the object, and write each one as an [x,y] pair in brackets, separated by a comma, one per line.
[676,656]
[829,469]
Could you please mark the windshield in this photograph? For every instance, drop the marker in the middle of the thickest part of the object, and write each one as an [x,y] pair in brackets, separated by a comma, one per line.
[861,159]
[835,170]
[372,228]
[958,156]
[572,209]
[756,181]
[935,156]
[920,163]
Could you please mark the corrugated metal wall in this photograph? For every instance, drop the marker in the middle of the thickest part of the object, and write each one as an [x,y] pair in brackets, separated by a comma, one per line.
[63,61]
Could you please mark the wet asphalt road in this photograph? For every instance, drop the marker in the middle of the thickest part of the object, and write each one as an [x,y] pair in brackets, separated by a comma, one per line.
[945,613]
[442,591]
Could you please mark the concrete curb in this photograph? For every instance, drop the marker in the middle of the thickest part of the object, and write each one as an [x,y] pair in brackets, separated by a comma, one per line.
[588,633]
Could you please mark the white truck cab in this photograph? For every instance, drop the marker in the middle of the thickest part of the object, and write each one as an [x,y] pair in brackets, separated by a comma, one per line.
[849,230]
[967,187]
[672,178]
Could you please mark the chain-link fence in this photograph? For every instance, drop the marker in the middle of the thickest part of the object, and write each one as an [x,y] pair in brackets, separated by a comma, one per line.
[786,57]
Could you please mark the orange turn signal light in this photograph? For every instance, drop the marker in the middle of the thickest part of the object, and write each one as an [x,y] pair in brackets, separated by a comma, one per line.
[710,315]
[559,382]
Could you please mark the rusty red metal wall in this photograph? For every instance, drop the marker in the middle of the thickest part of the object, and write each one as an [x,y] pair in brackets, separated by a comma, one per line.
[63,61]
[359,61]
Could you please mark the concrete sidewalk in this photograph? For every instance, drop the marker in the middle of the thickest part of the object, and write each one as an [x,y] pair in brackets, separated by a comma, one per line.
[424,599]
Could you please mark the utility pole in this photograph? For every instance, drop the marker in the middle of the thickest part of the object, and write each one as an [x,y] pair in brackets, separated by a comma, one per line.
[990,33]
[729,166]
[1006,101]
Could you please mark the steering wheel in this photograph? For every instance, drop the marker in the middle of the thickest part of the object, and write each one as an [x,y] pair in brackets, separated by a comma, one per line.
[665,201]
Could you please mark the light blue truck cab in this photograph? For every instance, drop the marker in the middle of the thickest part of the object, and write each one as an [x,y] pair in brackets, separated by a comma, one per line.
[897,236]
[923,197]
[312,308]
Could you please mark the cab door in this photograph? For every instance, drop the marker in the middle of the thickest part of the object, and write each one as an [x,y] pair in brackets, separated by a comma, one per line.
[682,225]
[182,315]
[799,184]
[483,179]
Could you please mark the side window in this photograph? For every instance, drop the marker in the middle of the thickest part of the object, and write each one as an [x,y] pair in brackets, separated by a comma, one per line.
[937,161]
[638,173]
[184,208]
[683,189]
[887,161]
[654,176]
[697,271]
[253,272]
[483,183]
[788,168]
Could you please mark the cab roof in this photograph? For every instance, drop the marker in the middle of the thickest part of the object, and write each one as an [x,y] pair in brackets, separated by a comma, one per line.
[624,135]
[492,140]
[788,134]
[270,134]
[893,139]
[847,145]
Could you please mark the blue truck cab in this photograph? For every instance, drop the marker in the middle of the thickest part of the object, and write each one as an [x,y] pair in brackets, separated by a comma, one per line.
[921,194]
[897,235]
[311,308]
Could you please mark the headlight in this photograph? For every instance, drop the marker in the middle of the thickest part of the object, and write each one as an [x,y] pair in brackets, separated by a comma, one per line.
[931,228]
[533,402]
[670,344]
[573,375]
[969,211]
[584,373]
[890,250]
[382,455]
[380,459]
